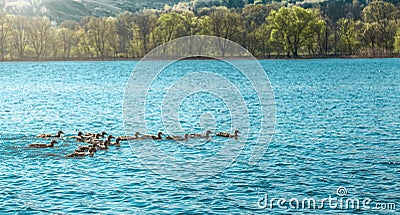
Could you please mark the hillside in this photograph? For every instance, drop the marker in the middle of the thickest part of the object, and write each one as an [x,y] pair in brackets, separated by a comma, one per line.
[75,9]
[61,10]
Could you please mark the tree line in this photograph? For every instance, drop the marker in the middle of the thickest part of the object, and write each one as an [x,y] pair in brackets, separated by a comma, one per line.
[266,30]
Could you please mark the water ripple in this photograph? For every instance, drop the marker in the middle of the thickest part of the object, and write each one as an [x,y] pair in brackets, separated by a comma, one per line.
[337,125]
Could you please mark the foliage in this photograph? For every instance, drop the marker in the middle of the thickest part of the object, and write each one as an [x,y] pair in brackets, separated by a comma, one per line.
[350,27]
[381,19]
[397,41]
[295,26]
[349,31]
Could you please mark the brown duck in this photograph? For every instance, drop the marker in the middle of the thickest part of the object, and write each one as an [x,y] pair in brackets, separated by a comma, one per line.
[125,138]
[178,138]
[40,145]
[50,135]
[227,135]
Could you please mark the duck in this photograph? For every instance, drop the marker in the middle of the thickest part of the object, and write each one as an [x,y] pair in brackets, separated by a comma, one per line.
[96,139]
[125,138]
[40,145]
[76,154]
[207,135]
[193,135]
[148,136]
[107,140]
[116,143]
[80,135]
[158,137]
[104,146]
[50,135]
[86,148]
[227,135]
[105,143]
[102,134]
[178,138]
[90,134]
[82,149]
[88,138]
[92,149]
[82,138]
[79,154]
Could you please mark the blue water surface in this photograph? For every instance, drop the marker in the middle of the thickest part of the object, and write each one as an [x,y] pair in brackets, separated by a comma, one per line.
[337,125]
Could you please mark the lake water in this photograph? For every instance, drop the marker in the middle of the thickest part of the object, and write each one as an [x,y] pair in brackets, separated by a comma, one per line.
[337,126]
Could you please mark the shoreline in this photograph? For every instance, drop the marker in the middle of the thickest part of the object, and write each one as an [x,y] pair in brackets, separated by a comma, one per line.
[206,58]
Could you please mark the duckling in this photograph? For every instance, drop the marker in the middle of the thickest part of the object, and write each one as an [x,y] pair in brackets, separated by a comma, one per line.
[102,134]
[125,138]
[76,154]
[91,154]
[86,148]
[178,138]
[148,136]
[89,134]
[49,135]
[105,143]
[80,134]
[116,143]
[95,139]
[158,137]
[92,150]
[39,145]
[193,135]
[104,146]
[79,154]
[227,135]
[82,149]
[81,138]
[207,135]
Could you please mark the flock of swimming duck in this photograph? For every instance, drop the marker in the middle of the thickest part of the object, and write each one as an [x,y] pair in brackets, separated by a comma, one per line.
[94,142]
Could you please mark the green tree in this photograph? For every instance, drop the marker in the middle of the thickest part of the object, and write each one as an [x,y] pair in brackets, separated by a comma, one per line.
[65,34]
[199,26]
[39,35]
[82,49]
[294,26]
[194,25]
[54,44]
[5,32]
[191,23]
[370,38]
[315,33]
[125,33]
[349,31]
[101,33]
[113,37]
[263,40]
[397,41]
[143,24]
[169,26]
[381,17]
[252,17]
[19,34]
[225,23]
